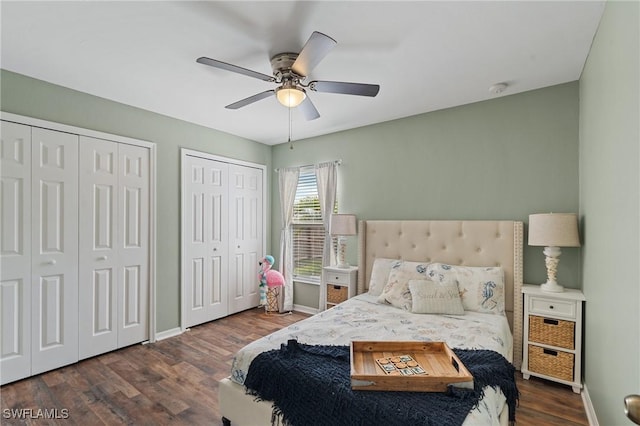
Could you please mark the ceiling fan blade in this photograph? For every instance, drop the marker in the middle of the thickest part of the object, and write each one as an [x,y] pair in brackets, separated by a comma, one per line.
[344,88]
[313,51]
[234,68]
[251,99]
[308,109]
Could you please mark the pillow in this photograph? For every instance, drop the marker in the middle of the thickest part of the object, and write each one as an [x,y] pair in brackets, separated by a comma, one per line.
[380,275]
[396,291]
[430,297]
[481,288]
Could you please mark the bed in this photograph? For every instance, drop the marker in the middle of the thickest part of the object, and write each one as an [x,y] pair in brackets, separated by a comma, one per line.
[467,243]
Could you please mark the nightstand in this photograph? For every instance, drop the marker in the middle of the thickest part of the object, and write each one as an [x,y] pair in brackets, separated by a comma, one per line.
[340,284]
[552,347]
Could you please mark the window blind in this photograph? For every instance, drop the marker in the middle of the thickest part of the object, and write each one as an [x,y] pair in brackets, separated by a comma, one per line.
[308,230]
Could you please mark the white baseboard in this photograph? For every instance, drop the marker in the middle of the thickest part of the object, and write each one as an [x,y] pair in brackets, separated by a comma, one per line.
[305,309]
[588,407]
[168,333]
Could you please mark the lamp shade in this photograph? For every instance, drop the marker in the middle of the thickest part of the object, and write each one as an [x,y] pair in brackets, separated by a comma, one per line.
[343,224]
[554,230]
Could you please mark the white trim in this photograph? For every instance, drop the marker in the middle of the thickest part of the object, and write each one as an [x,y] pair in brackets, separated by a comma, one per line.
[36,122]
[305,309]
[588,407]
[45,124]
[172,332]
[153,212]
[184,153]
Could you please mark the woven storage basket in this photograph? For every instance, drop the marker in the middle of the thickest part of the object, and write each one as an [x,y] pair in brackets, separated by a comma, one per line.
[551,363]
[551,331]
[336,293]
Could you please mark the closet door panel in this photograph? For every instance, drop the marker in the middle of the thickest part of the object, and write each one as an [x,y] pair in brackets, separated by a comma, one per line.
[15,252]
[98,268]
[54,273]
[245,223]
[206,240]
[133,251]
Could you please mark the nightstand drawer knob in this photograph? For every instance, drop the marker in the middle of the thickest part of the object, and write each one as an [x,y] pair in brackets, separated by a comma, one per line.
[550,306]
[336,287]
[550,352]
[550,321]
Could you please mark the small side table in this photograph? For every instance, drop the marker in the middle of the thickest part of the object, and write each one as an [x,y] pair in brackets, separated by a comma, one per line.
[552,347]
[340,284]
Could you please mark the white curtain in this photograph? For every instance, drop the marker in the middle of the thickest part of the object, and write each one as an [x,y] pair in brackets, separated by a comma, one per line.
[288,184]
[326,178]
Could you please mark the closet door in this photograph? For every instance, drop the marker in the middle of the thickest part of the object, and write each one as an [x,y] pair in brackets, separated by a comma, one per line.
[54,244]
[98,269]
[133,250]
[15,252]
[114,245]
[245,227]
[205,240]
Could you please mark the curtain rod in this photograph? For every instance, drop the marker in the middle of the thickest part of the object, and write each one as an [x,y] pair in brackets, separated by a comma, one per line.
[336,162]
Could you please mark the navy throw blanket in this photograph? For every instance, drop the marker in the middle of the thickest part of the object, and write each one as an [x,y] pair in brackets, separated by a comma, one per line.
[311,386]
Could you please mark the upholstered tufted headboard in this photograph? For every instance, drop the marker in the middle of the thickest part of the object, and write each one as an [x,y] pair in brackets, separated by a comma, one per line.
[457,242]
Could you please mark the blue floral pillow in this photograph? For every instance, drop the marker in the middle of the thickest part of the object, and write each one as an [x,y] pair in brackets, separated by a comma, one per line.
[396,292]
[481,288]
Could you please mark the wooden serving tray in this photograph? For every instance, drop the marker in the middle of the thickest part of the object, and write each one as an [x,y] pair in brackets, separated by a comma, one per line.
[440,364]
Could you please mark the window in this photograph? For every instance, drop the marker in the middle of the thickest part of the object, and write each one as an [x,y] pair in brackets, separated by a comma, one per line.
[308,230]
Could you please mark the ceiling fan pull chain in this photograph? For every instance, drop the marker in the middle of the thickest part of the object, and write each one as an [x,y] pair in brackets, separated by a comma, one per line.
[290,126]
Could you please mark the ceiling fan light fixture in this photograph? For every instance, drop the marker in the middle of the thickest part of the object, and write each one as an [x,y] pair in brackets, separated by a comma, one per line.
[290,97]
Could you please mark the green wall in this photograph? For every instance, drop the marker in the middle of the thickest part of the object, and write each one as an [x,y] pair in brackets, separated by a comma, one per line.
[35,98]
[609,206]
[500,159]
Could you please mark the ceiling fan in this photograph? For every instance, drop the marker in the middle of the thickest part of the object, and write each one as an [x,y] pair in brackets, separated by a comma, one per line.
[290,71]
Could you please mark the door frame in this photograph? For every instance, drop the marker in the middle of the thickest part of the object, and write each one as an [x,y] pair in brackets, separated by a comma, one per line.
[184,153]
[80,131]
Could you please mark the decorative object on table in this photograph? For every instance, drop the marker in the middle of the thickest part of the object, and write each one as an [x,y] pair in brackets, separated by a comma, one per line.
[552,231]
[342,226]
[270,283]
[407,366]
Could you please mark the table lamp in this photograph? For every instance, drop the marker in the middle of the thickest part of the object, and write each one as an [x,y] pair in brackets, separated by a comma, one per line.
[553,230]
[342,225]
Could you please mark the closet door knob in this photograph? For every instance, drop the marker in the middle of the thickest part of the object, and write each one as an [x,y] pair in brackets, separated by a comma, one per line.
[215,249]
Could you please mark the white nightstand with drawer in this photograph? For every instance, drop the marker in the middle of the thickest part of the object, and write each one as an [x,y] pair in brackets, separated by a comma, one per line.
[552,334]
[340,284]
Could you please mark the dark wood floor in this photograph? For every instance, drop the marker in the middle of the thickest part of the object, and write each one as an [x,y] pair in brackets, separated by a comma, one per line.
[175,381]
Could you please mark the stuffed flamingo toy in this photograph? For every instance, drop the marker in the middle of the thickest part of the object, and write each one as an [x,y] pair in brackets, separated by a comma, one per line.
[269,278]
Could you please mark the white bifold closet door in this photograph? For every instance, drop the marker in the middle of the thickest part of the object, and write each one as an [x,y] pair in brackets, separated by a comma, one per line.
[39,250]
[222,238]
[15,255]
[114,245]
[206,240]
[245,229]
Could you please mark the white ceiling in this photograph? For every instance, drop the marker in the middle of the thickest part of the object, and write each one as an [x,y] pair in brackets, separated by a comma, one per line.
[425,55]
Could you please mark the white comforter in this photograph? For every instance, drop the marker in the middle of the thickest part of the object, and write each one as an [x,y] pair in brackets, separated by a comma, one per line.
[361,318]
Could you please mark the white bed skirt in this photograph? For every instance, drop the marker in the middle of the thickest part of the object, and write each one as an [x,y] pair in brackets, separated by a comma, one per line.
[243,410]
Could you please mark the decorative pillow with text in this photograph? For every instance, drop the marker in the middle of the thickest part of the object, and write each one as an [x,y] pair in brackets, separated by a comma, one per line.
[430,297]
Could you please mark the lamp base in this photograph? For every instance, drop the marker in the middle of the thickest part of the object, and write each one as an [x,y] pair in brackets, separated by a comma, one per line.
[551,287]
[342,249]
[551,260]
